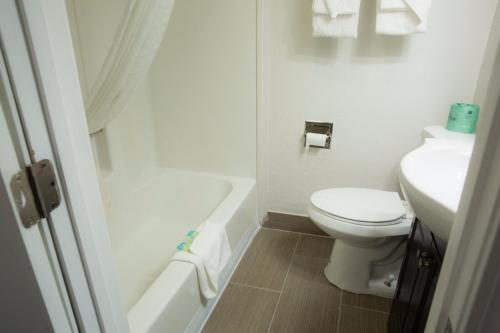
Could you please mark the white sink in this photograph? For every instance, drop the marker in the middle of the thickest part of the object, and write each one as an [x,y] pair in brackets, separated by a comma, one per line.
[432,177]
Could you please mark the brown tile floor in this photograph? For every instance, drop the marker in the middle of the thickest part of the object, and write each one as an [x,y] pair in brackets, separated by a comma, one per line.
[295,223]
[279,287]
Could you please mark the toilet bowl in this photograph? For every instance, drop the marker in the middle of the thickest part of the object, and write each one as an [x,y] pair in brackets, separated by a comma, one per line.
[370,228]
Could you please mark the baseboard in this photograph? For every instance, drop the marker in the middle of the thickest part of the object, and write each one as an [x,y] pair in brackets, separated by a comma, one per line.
[203,313]
[289,222]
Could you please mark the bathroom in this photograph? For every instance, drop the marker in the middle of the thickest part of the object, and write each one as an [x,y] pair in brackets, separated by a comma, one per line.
[251,166]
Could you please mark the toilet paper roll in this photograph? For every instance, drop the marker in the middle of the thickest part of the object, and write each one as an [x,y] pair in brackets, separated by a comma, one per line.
[316,139]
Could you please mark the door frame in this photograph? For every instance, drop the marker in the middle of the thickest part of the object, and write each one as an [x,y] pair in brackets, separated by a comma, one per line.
[46,29]
[40,282]
[467,297]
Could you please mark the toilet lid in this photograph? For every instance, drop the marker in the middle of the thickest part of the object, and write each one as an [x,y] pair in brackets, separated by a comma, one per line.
[360,204]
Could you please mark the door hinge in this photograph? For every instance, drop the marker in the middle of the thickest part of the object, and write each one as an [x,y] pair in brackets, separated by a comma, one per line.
[35,191]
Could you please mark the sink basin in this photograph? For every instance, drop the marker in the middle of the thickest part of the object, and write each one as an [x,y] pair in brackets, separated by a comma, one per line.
[432,177]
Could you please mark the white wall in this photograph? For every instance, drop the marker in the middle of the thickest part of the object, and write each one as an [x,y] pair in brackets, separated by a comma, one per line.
[196,109]
[204,88]
[379,92]
[485,81]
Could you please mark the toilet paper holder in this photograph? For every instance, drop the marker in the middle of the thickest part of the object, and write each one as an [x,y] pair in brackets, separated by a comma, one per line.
[319,127]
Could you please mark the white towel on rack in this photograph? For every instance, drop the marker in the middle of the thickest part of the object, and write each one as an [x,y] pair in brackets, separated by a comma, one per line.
[342,26]
[387,5]
[320,7]
[335,18]
[333,8]
[392,20]
[420,8]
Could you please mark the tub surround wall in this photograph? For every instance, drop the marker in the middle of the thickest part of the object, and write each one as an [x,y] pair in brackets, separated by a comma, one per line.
[126,149]
[204,88]
[196,109]
[93,24]
[379,92]
[177,117]
[131,144]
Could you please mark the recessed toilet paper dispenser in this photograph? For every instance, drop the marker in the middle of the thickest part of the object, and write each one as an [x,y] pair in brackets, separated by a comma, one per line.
[318,134]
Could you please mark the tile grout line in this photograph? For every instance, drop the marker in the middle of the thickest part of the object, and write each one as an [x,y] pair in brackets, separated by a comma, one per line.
[298,232]
[366,309]
[340,310]
[254,287]
[311,257]
[283,285]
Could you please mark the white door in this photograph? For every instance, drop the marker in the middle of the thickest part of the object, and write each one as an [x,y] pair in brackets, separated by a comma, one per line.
[45,285]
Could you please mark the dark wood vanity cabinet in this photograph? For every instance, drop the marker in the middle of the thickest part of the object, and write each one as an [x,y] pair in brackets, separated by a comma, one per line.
[417,281]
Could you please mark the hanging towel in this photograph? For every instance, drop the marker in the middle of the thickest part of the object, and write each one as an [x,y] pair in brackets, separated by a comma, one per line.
[387,5]
[342,7]
[209,253]
[333,8]
[420,8]
[335,18]
[320,7]
[394,19]
[342,26]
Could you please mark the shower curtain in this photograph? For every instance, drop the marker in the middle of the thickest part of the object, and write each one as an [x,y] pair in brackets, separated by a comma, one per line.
[135,44]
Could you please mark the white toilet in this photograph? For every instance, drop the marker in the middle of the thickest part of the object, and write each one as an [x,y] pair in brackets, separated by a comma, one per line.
[370,228]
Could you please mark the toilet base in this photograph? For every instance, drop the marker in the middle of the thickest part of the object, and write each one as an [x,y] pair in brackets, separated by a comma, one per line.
[368,267]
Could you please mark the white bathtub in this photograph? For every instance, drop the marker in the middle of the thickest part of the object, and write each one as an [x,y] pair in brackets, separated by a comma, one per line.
[147,223]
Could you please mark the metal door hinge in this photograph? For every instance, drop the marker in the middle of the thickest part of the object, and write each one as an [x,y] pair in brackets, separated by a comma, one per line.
[35,191]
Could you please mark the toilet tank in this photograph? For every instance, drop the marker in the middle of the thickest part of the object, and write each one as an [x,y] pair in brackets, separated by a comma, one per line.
[439,132]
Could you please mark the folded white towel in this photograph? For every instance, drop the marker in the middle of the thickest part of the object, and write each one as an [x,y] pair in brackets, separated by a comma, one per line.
[212,245]
[412,19]
[399,23]
[420,8]
[209,253]
[343,24]
[207,289]
[387,5]
[342,7]
[333,8]
[320,7]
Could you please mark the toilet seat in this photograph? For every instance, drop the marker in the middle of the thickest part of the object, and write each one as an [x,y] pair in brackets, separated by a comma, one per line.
[360,206]
[357,213]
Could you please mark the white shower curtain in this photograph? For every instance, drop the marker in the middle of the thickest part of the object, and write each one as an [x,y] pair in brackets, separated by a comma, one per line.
[135,44]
